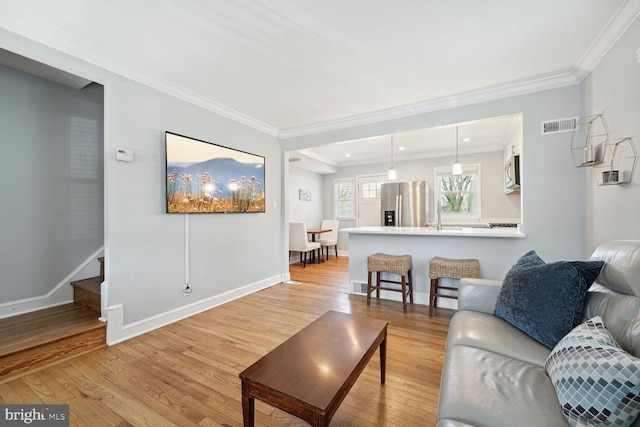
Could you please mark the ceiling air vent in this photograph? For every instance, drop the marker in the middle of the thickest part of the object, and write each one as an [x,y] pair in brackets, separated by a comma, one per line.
[559,125]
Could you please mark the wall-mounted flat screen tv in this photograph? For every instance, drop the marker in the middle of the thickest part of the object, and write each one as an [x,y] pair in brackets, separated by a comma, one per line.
[208,178]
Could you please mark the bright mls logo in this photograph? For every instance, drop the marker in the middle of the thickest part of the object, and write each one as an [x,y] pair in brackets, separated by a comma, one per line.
[36,415]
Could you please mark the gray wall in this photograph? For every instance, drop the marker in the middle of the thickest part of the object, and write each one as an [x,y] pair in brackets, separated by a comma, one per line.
[145,246]
[553,198]
[230,254]
[311,212]
[52,213]
[613,88]
[496,206]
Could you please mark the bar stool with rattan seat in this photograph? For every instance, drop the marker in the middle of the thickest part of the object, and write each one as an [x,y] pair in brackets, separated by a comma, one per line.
[395,264]
[452,269]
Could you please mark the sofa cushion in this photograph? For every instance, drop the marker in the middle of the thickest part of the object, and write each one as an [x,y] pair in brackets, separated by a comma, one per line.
[545,300]
[619,312]
[491,333]
[482,388]
[478,294]
[622,273]
[597,382]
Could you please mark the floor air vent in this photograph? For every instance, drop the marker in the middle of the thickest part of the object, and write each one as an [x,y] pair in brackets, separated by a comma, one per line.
[359,288]
[559,125]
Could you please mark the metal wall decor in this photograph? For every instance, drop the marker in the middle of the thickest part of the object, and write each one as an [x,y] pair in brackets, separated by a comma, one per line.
[613,161]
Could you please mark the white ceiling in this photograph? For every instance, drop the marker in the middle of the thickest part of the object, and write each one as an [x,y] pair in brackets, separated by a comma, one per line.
[288,67]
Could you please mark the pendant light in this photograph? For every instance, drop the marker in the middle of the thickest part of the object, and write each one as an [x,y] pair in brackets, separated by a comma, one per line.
[392,172]
[457,166]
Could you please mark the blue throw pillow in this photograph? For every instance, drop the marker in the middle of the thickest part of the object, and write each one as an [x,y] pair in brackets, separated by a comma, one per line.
[597,382]
[545,300]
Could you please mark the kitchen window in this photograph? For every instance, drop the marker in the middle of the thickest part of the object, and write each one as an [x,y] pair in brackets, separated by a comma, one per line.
[343,198]
[459,196]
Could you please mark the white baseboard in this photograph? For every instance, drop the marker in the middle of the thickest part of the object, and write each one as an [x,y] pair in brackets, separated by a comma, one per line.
[117,331]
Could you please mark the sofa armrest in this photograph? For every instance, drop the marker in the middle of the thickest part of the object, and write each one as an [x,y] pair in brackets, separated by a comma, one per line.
[478,294]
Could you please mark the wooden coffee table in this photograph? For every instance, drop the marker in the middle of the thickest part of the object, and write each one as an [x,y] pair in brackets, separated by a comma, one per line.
[310,374]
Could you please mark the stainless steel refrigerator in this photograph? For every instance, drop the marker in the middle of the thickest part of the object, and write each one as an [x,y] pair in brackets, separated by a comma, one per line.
[405,204]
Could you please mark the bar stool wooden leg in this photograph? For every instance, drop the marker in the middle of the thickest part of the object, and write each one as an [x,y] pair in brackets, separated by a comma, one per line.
[410,286]
[432,296]
[404,293]
[378,284]
[369,288]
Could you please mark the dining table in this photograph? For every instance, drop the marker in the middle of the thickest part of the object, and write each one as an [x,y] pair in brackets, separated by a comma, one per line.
[314,233]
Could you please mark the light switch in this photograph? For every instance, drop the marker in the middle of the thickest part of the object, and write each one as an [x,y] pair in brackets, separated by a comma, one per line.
[124,155]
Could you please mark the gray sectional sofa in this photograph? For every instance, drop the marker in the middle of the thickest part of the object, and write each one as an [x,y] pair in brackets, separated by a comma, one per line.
[494,374]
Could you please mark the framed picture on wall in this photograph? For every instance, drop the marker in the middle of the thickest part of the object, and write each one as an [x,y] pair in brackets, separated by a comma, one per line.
[304,195]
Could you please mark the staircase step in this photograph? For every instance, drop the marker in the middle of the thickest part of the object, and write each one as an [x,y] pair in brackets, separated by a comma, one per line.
[87,293]
[44,337]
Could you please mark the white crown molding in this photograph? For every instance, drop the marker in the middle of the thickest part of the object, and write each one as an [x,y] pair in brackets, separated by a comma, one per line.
[473,97]
[59,41]
[617,25]
[622,19]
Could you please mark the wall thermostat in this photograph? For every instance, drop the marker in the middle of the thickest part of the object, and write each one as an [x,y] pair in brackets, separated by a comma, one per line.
[124,155]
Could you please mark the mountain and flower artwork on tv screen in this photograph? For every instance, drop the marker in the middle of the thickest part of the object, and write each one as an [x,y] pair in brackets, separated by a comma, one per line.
[207,178]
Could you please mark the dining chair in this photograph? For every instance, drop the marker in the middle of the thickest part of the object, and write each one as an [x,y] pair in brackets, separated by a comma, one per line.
[299,242]
[331,238]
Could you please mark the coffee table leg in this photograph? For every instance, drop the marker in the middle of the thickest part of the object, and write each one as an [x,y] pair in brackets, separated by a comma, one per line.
[248,404]
[383,357]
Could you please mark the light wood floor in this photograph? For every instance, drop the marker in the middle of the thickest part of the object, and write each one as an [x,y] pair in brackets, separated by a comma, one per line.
[187,373]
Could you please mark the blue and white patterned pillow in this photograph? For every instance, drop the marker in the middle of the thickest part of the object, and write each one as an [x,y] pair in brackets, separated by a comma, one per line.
[597,382]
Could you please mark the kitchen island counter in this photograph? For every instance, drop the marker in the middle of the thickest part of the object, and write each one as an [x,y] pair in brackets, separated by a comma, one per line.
[507,232]
[497,249]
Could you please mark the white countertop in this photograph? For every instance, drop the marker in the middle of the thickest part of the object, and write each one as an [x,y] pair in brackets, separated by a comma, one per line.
[508,232]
